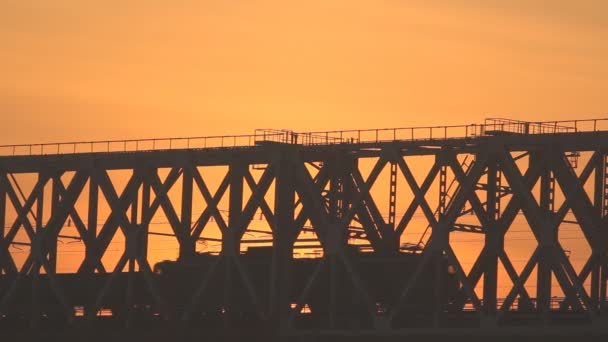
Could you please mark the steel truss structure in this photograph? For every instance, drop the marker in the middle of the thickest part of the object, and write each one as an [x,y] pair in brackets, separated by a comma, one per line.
[314,182]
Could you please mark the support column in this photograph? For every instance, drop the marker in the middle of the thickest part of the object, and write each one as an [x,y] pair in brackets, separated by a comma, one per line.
[36,250]
[599,190]
[144,226]
[392,240]
[494,240]
[132,249]
[440,235]
[337,185]
[230,244]
[90,239]
[91,245]
[443,193]
[548,235]
[340,195]
[51,243]
[282,256]
[392,198]
[188,248]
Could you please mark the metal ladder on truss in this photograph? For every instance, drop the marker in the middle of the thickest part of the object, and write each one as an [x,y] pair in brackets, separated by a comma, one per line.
[444,199]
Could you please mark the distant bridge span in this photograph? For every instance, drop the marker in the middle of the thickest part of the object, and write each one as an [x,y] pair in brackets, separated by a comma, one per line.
[365,276]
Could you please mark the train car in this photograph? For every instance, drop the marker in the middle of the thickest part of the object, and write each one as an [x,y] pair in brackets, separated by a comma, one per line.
[329,289]
[337,290]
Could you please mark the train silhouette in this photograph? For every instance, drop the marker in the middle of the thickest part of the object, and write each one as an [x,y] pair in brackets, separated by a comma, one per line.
[234,288]
[322,287]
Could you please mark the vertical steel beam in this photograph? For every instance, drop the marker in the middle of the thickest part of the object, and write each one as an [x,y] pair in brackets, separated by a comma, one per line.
[440,233]
[40,205]
[132,249]
[548,234]
[494,239]
[187,247]
[90,241]
[599,189]
[284,210]
[336,195]
[135,204]
[230,245]
[236,171]
[442,189]
[145,224]
[392,198]
[51,244]
[36,250]
[341,192]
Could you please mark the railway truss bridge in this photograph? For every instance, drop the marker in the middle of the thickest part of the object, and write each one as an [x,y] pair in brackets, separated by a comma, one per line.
[311,233]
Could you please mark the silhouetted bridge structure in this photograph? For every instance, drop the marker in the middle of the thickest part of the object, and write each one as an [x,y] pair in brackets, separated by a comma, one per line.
[313,191]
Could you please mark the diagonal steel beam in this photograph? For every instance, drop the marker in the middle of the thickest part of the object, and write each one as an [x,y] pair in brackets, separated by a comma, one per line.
[465,192]
[256,200]
[23,210]
[212,209]
[163,188]
[59,215]
[320,181]
[130,231]
[266,211]
[531,176]
[578,200]
[78,223]
[482,214]
[368,201]
[466,284]
[6,260]
[362,190]
[311,199]
[422,190]
[117,214]
[566,278]
[365,216]
[419,193]
[163,197]
[525,274]
[446,220]
[506,262]
[532,213]
[318,215]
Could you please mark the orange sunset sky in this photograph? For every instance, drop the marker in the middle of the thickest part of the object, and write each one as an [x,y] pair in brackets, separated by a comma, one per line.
[75,70]
[86,70]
